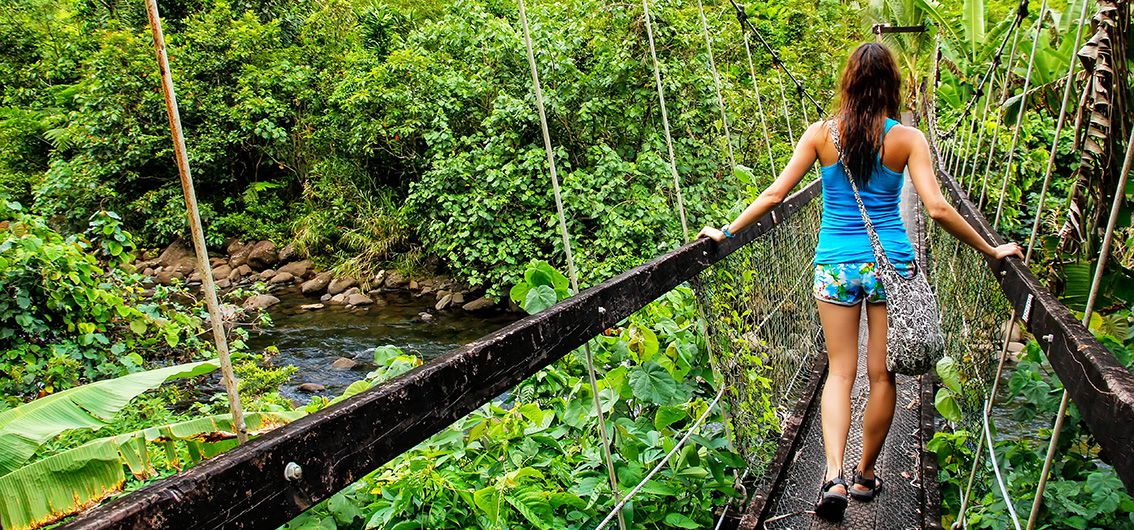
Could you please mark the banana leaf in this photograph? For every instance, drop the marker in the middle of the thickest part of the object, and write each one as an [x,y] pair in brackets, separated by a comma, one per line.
[25,428]
[66,483]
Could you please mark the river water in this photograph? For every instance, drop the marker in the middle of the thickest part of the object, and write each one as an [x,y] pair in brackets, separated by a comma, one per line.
[312,340]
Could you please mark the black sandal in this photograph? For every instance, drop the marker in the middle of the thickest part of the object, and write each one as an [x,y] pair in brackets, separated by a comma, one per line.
[832,504]
[873,487]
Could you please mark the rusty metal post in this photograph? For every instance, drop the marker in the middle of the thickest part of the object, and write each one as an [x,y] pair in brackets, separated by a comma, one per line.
[195,225]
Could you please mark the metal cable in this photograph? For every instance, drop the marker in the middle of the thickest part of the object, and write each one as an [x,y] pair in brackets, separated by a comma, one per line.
[663,462]
[716,84]
[200,250]
[1073,63]
[1019,115]
[571,271]
[996,129]
[665,120]
[760,104]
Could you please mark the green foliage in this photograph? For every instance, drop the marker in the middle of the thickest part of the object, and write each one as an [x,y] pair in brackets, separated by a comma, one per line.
[1083,491]
[533,459]
[68,316]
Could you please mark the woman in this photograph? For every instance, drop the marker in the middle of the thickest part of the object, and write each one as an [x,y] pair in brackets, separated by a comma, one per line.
[877,150]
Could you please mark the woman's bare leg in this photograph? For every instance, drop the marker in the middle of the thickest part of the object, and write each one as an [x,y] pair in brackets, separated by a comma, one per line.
[880,406]
[840,329]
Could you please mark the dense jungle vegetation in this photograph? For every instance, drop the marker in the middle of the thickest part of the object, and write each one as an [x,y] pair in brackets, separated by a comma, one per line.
[379,134]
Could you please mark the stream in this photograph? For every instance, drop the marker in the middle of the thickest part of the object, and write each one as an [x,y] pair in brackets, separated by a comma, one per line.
[313,340]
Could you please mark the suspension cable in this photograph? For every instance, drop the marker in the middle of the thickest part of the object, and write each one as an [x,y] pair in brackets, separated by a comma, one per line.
[200,249]
[665,120]
[1020,115]
[1021,14]
[717,84]
[742,17]
[571,271]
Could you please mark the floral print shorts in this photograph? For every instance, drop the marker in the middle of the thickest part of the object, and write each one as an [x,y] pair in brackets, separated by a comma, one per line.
[851,283]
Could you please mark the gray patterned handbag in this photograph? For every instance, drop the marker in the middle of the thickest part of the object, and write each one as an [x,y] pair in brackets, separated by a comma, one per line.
[914,341]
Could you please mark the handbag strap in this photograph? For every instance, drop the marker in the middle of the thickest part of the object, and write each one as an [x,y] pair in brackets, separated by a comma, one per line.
[880,257]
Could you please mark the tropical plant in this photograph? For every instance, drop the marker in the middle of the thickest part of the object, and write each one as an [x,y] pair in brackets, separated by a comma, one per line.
[532,459]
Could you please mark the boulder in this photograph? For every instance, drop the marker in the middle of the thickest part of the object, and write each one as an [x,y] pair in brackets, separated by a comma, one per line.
[338,298]
[178,258]
[358,299]
[260,302]
[148,271]
[425,317]
[166,276]
[221,271]
[233,246]
[379,279]
[339,285]
[395,280]
[344,363]
[317,284]
[444,302]
[223,283]
[282,278]
[458,298]
[325,298]
[263,255]
[243,270]
[442,294]
[267,274]
[216,262]
[195,277]
[298,269]
[479,304]
[413,285]
[311,307]
[239,258]
[1017,333]
[352,290]
[311,388]
[288,253]
[1015,347]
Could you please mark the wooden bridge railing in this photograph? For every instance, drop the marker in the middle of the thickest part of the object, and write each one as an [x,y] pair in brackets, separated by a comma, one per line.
[1100,386]
[247,487]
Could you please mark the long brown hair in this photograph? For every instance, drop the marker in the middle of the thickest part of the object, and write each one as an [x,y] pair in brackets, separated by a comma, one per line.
[870,91]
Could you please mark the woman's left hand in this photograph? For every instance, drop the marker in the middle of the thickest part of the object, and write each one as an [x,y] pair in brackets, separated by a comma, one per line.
[711,233]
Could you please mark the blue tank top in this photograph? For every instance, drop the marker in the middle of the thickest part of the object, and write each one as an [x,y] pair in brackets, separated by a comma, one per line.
[842,234]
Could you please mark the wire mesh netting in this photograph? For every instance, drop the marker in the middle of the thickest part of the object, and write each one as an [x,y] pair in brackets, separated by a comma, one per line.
[973,310]
[764,330]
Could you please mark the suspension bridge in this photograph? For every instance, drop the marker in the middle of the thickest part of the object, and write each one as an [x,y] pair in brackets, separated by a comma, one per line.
[755,299]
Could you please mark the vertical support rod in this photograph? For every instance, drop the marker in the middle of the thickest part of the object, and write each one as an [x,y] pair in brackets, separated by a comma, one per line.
[1020,115]
[983,124]
[195,228]
[571,271]
[1058,129]
[717,84]
[665,118]
[759,103]
[996,129]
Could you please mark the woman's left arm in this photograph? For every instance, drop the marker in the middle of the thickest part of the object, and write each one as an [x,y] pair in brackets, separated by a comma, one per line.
[805,155]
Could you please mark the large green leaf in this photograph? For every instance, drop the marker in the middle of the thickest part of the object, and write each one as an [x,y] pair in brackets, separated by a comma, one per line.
[972,17]
[25,428]
[64,483]
[652,384]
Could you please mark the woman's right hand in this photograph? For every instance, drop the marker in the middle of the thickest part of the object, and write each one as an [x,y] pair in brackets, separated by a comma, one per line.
[1005,250]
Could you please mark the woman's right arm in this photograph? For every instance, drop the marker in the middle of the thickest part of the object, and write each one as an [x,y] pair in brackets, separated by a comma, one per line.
[924,179]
